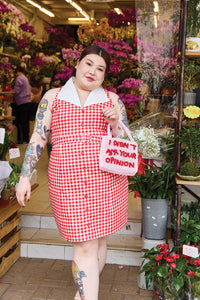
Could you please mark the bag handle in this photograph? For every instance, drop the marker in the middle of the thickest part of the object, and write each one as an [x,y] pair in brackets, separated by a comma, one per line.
[124,128]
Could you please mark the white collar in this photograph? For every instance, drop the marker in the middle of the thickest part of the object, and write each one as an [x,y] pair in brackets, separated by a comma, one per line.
[68,93]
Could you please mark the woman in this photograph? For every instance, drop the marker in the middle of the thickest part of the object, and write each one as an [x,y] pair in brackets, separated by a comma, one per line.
[88,204]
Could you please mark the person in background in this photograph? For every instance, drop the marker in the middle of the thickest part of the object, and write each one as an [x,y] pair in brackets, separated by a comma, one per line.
[88,204]
[22,99]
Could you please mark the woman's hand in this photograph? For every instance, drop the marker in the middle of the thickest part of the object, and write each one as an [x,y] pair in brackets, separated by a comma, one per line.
[23,189]
[111,116]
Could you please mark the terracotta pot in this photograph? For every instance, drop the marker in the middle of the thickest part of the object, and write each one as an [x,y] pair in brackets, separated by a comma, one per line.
[166,91]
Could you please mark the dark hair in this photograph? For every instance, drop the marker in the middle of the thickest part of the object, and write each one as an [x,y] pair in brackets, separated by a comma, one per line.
[94,49]
[19,69]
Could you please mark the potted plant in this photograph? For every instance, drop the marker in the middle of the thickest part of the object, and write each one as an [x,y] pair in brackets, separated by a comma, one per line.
[156,187]
[191,75]
[174,276]
[190,150]
[193,26]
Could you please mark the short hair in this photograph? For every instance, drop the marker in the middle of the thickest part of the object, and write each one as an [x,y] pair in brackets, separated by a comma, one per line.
[94,49]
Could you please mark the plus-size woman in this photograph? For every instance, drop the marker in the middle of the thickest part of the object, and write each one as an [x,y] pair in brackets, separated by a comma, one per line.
[88,204]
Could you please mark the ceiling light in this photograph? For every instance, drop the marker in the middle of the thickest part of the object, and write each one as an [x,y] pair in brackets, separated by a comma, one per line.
[77,19]
[75,5]
[156,7]
[100,1]
[118,10]
[33,3]
[42,9]
[47,12]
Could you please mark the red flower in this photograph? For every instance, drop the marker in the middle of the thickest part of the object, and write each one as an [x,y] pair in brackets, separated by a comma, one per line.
[173,266]
[159,257]
[190,272]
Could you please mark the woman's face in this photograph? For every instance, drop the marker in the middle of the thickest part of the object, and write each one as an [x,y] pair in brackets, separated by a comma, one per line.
[90,72]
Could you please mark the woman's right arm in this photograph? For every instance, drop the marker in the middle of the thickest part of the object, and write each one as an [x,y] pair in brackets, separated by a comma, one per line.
[35,147]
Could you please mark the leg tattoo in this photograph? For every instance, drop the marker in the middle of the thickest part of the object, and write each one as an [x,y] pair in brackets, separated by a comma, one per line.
[78,275]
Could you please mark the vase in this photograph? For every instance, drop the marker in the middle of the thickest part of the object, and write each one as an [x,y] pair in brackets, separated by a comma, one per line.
[189,99]
[154,218]
[192,44]
[7,87]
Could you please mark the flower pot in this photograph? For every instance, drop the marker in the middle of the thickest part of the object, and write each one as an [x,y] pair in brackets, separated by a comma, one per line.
[7,87]
[192,44]
[154,218]
[189,99]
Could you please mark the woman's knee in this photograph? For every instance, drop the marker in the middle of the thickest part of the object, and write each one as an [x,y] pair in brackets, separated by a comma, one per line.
[87,248]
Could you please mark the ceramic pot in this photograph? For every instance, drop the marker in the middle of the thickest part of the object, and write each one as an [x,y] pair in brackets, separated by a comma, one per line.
[189,99]
[154,218]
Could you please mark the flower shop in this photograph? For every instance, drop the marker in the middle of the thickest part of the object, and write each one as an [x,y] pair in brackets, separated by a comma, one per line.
[155,70]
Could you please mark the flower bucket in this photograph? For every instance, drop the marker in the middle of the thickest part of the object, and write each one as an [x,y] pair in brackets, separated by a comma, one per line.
[192,44]
[154,218]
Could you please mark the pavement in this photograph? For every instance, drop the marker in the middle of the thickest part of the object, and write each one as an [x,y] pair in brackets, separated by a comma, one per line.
[39,279]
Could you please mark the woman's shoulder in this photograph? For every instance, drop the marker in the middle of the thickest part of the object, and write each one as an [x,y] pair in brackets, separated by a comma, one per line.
[115,98]
[51,94]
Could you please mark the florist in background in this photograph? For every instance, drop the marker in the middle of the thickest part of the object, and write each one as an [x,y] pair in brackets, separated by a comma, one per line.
[22,99]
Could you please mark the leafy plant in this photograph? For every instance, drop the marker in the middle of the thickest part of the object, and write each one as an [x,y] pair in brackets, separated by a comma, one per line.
[190,223]
[193,22]
[14,175]
[4,147]
[155,182]
[191,73]
[190,143]
[175,275]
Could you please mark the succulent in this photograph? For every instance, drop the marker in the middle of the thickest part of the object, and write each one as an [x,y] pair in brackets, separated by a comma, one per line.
[190,169]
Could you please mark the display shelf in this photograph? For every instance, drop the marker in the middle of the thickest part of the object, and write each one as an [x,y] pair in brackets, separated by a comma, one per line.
[191,54]
[187,182]
[10,234]
[8,55]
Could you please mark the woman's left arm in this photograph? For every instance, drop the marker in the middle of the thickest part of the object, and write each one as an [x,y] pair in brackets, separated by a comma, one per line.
[114,114]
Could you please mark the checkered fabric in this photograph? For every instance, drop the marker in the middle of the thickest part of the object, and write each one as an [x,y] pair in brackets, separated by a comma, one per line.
[87,203]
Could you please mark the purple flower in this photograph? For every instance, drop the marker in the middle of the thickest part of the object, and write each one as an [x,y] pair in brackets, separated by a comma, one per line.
[26,27]
[37,61]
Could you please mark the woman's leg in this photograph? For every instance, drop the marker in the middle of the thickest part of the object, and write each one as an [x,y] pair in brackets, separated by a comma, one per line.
[98,259]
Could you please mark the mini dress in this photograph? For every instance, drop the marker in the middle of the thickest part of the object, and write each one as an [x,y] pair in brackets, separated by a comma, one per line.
[87,203]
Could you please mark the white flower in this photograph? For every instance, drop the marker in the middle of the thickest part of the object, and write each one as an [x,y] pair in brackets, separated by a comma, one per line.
[147,141]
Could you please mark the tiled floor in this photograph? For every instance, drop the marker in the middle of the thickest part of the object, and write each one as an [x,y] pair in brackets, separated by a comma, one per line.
[39,279]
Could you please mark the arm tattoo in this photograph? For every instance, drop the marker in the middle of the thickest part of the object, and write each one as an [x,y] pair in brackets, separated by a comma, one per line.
[39,128]
[30,161]
[123,112]
[78,275]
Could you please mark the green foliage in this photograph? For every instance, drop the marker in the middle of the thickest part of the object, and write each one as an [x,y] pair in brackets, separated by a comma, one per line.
[193,22]
[155,183]
[4,147]
[190,223]
[190,169]
[14,175]
[170,271]
[190,143]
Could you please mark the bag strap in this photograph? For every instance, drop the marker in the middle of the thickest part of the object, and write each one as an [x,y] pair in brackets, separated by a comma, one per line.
[124,128]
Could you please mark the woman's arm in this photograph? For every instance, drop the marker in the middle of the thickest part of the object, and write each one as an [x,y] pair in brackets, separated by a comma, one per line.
[35,147]
[113,115]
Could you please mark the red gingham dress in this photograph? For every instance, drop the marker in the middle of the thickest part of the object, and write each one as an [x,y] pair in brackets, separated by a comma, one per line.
[87,203]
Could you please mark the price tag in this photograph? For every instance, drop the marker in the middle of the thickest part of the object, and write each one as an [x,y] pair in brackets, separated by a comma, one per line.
[2,135]
[190,251]
[14,152]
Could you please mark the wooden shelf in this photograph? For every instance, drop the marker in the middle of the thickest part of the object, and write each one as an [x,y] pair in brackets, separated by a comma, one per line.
[187,182]
[8,55]
[191,54]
